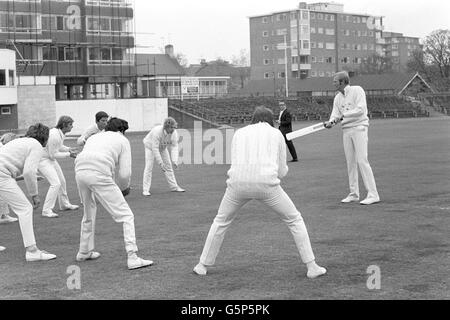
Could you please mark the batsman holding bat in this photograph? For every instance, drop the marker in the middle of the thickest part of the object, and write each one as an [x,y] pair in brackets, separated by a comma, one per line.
[350,106]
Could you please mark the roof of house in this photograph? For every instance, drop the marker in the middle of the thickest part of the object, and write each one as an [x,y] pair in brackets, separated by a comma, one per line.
[161,64]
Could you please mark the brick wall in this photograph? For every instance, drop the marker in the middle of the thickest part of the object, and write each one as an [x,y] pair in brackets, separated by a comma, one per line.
[36,104]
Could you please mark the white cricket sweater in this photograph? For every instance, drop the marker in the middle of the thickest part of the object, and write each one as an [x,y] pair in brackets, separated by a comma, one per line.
[258,158]
[55,149]
[105,151]
[21,157]
[158,140]
[90,131]
[352,105]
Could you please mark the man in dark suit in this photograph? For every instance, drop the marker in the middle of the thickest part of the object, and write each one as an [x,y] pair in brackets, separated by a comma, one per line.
[285,125]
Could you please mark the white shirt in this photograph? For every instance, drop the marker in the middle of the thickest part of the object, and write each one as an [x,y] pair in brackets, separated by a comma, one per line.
[55,147]
[104,152]
[352,105]
[90,131]
[21,157]
[279,117]
[158,140]
[258,158]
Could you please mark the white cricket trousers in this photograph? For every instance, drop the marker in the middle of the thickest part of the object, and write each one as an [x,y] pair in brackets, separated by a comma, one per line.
[4,209]
[148,171]
[13,195]
[355,147]
[93,183]
[57,190]
[277,200]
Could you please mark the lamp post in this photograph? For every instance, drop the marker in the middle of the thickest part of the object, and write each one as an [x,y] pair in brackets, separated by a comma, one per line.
[286,65]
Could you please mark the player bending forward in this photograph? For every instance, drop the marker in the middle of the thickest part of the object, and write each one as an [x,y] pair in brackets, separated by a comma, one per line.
[258,162]
[22,156]
[94,172]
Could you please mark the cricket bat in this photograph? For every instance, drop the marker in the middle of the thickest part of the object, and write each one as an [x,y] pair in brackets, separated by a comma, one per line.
[308,130]
[305,131]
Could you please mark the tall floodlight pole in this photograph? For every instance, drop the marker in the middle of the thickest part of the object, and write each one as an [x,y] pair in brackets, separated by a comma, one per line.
[286,66]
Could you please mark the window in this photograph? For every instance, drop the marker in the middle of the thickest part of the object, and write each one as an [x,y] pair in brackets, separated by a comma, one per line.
[320,16]
[72,54]
[327,17]
[266,62]
[281,74]
[320,30]
[59,23]
[329,32]
[265,47]
[345,60]
[329,60]
[328,74]
[281,61]
[265,34]
[105,53]
[2,77]
[293,15]
[304,15]
[331,17]
[281,32]
[49,53]
[313,59]
[265,20]
[306,44]
[48,23]
[11,77]
[329,45]
[395,53]
[312,15]
[5,110]
[304,29]
[364,20]
[364,33]
[313,73]
[395,46]
[364,46]
[321,74]
[313,45]
[266,75]
[294,60]
[370,33]
[320,59]
[313,30]
[320,45]
[346,32]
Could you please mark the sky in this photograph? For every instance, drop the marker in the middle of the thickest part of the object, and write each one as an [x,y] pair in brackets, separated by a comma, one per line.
[211,29]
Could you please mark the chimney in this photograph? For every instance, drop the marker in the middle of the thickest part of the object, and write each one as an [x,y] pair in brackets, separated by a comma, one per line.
[302,5]
[169,50]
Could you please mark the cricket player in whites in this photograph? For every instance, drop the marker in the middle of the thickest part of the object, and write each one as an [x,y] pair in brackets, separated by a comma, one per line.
[258,163]
[95,168]
[350,105]
[4,209]
[21,157]
[101,119]
[51,170]
[157,142]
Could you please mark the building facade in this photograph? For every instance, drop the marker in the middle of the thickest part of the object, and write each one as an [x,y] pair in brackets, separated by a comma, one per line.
[313,40]
[399,49]
[87,44]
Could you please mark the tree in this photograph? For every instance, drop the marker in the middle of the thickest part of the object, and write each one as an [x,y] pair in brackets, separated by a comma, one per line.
[242,62]
[433,62]
[376,64]
[437,51]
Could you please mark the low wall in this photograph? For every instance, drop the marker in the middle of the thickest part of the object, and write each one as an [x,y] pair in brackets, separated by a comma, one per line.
[141,114]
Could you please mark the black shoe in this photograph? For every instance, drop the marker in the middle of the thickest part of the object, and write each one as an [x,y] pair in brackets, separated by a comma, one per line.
[294,160]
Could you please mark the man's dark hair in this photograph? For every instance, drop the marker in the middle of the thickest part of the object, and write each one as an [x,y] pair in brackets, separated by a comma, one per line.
[64,121]
[117,125]
[262,114]
[99,115]
[39,132]
[343,77]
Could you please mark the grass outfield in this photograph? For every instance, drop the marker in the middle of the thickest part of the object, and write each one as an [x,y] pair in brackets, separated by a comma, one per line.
[406,235]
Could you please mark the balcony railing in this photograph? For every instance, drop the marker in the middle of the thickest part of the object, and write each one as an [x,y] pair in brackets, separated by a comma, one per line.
[108,3]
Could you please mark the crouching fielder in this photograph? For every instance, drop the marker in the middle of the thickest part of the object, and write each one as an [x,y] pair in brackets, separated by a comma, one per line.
[258,162]
[94,172]
[4,209]
[22,156]
[156,143]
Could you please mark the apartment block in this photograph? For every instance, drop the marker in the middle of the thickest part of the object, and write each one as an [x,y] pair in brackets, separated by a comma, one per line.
[312,40]
[399,49]
[87,44]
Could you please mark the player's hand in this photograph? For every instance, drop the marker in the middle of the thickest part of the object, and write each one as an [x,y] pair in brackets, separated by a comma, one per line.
[35,201]
[73,154]
[328,124]
[175,165]
[126,192]
[163,167]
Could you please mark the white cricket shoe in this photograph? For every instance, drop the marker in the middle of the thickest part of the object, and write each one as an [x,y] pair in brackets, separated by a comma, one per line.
[69,207]
[134,262]
[200,269]
[93,255]
[2,248]
[39,255]
[50,214]
[178,190]
[370,200]
[350,198]
[316,271]
[146,193]
[6,218]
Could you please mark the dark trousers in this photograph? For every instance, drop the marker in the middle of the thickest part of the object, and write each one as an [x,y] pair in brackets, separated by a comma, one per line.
[291,147]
